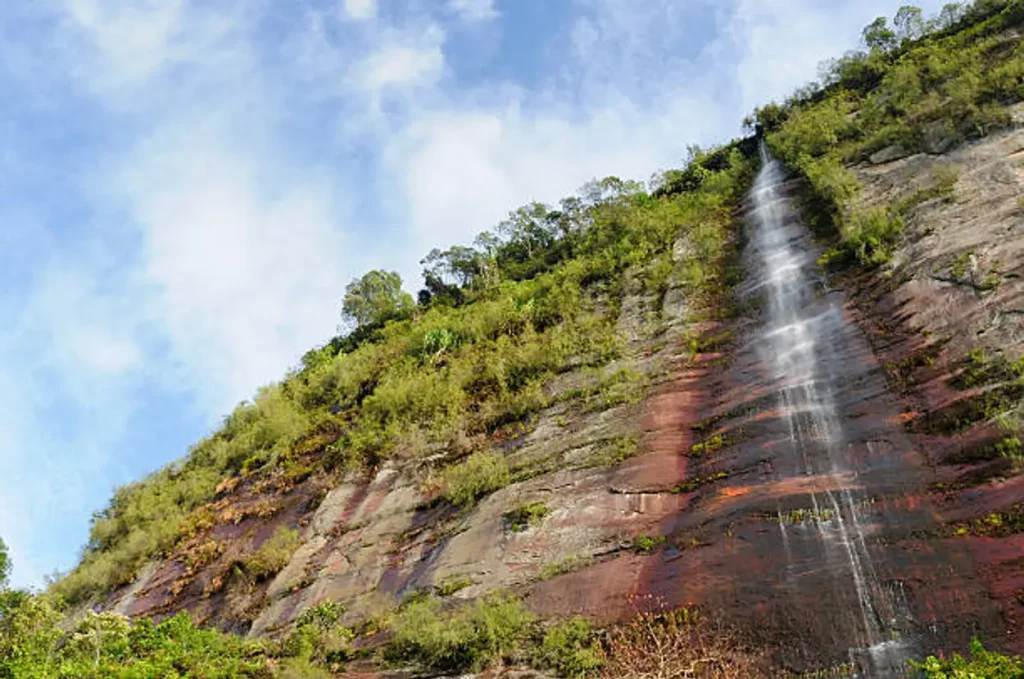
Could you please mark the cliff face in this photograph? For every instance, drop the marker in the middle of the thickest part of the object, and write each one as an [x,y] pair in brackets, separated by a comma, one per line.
[375,537]
[714,510]
[947,323]
[670,400]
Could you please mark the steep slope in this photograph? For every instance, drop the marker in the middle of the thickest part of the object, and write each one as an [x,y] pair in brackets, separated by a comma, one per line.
[793,405]
[466,445]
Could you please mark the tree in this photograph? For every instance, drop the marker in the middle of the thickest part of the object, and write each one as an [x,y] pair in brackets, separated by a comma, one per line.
[878,36]
[458,265]
[909,22]
[527,230]
[951,13]
[5,565]
[375,298]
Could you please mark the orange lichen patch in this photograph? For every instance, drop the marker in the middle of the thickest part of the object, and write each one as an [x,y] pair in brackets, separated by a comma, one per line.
[905,417]
[737,491]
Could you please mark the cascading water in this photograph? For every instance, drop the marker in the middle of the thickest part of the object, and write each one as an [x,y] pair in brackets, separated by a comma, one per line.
[802,330]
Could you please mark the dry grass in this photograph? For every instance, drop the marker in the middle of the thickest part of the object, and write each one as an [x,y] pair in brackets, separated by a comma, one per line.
[663,644]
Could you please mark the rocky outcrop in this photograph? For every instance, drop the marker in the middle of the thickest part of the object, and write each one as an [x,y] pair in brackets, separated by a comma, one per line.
[956,287]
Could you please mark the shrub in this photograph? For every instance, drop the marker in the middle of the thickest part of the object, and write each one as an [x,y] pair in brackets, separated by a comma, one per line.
[33,644]
[480,474]
[571,649]
[871,235]
[453,585]
[526,516]
[980,663]
[274,554]
[467,639]
[324,615]
[674,643]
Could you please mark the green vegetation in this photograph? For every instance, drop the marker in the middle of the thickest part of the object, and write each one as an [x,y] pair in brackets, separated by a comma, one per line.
[566,565]
[34,645]
[525,517]
[979,369]
[453,585]
[921,85]
[5,564]
[696,482]
[646,544]
[273,555]
[980,663]
[1001,404]
[466,639]
[483,473]
[460,370]
[318,641]
[376,298]
[995,524]
[709,445]
[613,451]
[571,648]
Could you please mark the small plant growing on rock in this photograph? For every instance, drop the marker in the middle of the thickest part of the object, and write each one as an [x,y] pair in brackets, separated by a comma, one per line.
[318,640]
[526,516]
[646,544]
[566,565]
[452,585]
[273,555]
[324,614]
[482,473]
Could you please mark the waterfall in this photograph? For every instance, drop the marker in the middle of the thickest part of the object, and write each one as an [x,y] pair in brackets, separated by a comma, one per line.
[797,347]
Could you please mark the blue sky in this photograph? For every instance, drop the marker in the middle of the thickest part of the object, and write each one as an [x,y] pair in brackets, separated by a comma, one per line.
[186,186]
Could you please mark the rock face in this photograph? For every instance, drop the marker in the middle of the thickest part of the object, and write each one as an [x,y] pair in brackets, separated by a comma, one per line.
[813,542]
[368,540]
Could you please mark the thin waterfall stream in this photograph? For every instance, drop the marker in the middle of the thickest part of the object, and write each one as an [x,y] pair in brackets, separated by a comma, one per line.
[796,345]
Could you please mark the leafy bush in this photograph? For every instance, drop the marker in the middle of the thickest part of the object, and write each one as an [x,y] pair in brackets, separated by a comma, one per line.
[480,474]
[453,585]
[274,554]
[870,235]
[464,640]
[324,615]
[526,516]
[34,646]
[571,648]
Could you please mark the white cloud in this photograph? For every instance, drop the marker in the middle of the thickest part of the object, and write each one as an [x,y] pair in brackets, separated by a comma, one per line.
[135,40]
[360,10]
[403,61]
[463,170]
[247,271]
[473,11]
[771,68]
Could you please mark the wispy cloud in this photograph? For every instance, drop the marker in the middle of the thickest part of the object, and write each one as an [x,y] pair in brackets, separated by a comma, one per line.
[473,11]
[360,10]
